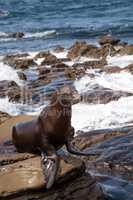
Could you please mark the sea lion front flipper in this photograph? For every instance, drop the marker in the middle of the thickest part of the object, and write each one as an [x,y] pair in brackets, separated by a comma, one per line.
[50,166]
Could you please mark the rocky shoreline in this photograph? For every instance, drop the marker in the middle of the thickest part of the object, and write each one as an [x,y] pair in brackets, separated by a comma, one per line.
[39,74]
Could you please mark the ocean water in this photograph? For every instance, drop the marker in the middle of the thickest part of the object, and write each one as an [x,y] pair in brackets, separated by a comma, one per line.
[57,22]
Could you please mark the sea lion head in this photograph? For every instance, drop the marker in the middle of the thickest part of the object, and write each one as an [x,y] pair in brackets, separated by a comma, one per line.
[62,96]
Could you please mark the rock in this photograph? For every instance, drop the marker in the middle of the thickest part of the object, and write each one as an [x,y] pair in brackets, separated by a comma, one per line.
[10,89]
[112,69]
[43,71]
[18,61]
[26,177]
[125,50]
[59,67]
[14,94]
[49,59]
[93,64]
[113,164]
[22,75]
[129,68]
[113,149]
[99,53]
[19,55]
[74,72]
[79,49]
[16,35]
[87,50]
[59,49]
[108,39]
[101,95]
[3,117]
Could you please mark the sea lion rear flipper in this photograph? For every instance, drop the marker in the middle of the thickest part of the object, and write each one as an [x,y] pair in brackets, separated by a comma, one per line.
[50,166]
[74,150]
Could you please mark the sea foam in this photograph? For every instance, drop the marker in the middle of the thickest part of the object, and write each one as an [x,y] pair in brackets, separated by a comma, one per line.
[8,73]
[113,114]
[117,81]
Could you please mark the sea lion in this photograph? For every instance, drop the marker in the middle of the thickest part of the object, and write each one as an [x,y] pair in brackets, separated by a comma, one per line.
[48,132]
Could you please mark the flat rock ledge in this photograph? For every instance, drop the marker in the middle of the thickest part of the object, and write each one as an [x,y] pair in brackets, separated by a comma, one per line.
[21,178]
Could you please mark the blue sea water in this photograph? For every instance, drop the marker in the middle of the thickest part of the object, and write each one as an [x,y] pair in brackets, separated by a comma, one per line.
[48,23]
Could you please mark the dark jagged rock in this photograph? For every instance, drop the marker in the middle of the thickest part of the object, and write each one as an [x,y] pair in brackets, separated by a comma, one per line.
[59,49]
[16,35]
[49,59]
[87,50]
[80,49]
[125,50]
[22,75]
[101,95]
[59,67]
[99,53]
[75,72]
[9,88]
[43,70]
[14,94]
[108,39]
[93,64]
[19,62]
[15,56]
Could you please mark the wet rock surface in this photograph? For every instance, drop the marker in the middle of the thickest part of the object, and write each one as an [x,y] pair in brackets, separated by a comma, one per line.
[20,61]
[108,39]
[26,178]
[47,58]
[113,164]
[22,76]
[16,35]
[10,89]
[101,95]
[125,50]
[88,50]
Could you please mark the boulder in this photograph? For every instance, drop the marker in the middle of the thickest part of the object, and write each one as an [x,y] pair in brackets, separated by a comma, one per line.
[108,39]
[22,75]
[99,53]
[80,48]
[19,61]
[93,64]
[59,67]
[8,87]
[49,59]
[125,50]
[76,71]
[16,35]
[101,95]
[59,49]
